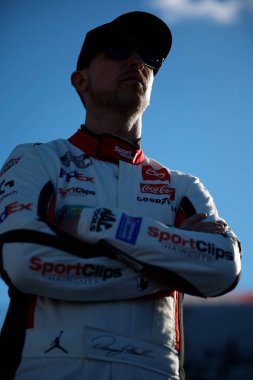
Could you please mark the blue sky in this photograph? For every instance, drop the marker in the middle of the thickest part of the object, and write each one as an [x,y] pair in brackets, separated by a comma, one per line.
[201,115]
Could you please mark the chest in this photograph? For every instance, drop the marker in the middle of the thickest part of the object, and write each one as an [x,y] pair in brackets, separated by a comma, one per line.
[137,189]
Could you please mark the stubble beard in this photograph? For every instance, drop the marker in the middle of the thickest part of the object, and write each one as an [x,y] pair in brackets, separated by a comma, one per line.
[120,101]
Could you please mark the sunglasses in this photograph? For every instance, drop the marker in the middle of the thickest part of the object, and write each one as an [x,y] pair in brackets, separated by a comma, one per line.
[150,59]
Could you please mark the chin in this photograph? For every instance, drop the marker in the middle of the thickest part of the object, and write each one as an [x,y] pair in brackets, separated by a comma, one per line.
[134,103]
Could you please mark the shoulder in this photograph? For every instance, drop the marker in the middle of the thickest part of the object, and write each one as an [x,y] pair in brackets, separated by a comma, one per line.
[37,148]
[31,154]
[173,174]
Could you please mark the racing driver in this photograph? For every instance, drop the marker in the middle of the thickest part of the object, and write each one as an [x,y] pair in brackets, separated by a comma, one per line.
[99,242]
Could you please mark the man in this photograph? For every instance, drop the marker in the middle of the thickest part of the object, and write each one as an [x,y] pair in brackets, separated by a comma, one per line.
[99,242]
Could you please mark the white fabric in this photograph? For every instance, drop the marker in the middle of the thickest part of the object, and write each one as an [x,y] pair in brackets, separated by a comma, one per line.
[76,293]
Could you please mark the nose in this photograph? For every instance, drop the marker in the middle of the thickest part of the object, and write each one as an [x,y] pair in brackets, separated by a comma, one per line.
[136,60]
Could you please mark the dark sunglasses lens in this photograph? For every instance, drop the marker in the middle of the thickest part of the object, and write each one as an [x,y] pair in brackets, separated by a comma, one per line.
[118,52]
[152,61]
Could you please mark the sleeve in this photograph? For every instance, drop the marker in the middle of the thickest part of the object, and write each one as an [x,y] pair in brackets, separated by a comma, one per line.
[36,258]
[195,199]
[197,263]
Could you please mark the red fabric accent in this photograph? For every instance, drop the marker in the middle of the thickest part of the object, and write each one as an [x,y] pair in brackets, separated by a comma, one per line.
[51,210]
[107,147]
[177,326]
[84,141]
[180,217]
[30,315]
[150,173]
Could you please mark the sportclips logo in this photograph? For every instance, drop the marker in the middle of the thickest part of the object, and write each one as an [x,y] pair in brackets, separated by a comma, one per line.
[102,219]
[190,245]
[124,153]
[75,191]
[77,270]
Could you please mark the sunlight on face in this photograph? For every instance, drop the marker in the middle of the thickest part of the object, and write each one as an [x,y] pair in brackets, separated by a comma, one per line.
[119,84]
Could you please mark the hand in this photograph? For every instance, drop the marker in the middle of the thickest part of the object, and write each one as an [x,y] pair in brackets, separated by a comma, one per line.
[196,223]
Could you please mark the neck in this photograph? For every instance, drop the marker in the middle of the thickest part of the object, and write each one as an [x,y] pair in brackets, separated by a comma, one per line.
[120,124]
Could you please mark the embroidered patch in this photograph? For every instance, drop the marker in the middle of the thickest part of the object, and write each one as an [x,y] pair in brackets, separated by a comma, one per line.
[128,229]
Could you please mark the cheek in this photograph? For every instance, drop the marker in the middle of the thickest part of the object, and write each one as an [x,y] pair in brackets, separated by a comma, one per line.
[99,79]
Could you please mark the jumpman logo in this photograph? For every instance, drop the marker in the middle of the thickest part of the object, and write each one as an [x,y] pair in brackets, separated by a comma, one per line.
[56,344]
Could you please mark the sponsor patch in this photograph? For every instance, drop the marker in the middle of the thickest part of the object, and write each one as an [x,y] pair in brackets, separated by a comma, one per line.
[175,241]
[102,219]
[68,212]
[128,229]
[124,152]
[6,185]
[9,165]
[162,201]
[75,191]
[82,161]
[159,189]
[74,174]
[12,208]
[8,195]
[150,173]
[74,270]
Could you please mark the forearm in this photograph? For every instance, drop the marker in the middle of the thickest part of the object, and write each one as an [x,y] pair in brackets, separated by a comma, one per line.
[208,264]
[36,260]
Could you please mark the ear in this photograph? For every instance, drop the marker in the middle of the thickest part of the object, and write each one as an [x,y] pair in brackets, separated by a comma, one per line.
[78,80]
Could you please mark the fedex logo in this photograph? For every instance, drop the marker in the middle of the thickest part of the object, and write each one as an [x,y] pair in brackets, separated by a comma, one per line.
[75,174]
[14,207]
[150,173]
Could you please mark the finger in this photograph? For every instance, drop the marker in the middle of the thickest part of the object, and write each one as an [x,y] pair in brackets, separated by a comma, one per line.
[212,227]
[192,220]
[222,221]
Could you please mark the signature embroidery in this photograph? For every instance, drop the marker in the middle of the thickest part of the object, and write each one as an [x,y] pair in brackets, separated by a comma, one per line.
[108,344]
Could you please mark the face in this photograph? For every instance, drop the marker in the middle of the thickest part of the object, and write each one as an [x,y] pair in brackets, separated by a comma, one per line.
[118,84]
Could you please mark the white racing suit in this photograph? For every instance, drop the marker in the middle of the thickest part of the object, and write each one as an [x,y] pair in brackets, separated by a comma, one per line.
[106,305]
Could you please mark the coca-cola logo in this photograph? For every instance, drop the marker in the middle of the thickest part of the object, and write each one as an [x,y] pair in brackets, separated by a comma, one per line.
[149,173]
[160,189]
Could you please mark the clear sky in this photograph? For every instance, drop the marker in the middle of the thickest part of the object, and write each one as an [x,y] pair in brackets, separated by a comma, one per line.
[201,114]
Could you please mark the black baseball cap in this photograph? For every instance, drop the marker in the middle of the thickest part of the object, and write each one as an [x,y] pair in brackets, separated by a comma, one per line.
[140,29]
